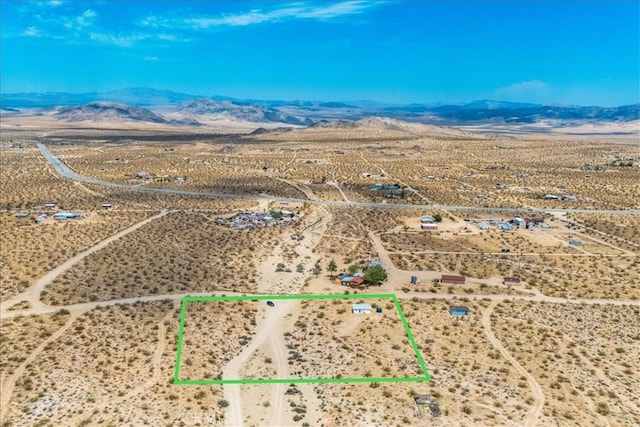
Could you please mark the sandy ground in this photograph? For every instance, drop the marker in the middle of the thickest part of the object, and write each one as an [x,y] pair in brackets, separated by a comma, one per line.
[504,360]
[270,328]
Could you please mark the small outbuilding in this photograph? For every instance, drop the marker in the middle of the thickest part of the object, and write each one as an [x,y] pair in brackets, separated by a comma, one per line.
[357,282]
[505,226]
[361,308]
[63,216]
[535,219]
[427,219]
[520,222]
[458,311]
[510,280]
[483,226]
[575,242]
[427,226]
[107,205]
[452,279]
[345,280]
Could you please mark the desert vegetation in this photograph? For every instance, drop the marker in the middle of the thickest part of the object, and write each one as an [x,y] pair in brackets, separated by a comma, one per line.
[182,252]
[82,364]
[583,356]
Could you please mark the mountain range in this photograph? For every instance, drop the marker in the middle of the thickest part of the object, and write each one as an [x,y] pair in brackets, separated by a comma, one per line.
[163,106]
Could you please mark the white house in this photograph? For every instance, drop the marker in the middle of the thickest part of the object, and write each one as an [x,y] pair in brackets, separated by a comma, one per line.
[361,308]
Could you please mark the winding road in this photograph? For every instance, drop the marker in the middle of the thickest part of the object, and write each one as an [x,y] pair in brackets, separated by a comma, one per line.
[65,171]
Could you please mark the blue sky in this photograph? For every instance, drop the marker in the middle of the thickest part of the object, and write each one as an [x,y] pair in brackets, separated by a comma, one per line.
[585,53]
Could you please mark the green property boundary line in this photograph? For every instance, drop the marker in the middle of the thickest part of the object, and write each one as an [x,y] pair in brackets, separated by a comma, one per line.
[186,300]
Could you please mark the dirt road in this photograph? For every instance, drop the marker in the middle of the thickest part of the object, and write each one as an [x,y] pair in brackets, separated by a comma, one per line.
[32,294]
[267,327]
[536,390]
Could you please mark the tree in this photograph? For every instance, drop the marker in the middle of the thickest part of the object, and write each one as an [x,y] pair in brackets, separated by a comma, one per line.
[317,269]
[375,274]
[352,269]
[332,267]
[437,217]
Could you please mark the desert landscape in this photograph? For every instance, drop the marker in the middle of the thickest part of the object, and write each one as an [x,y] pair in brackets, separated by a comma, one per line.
[524,306]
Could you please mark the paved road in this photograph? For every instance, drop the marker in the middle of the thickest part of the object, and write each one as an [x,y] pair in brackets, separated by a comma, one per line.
[63,170]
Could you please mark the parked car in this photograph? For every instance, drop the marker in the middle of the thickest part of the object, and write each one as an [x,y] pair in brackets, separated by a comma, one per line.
[270,304]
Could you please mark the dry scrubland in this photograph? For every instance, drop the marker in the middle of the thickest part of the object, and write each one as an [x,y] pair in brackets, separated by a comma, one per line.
[460,166]
[30,250]
[22,335]
[346,237]
[584,357]
[464,166]
[214,333]
[473,384]
[180,253]
[115,367]
[28,182]
[328,341]
[622,231]
[603,267]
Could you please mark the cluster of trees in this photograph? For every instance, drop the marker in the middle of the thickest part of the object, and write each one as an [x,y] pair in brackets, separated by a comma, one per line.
[372,274]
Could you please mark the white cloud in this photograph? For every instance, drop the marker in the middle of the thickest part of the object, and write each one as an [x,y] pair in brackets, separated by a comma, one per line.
[118,40]
[258,16]
[84,20]
[32,32]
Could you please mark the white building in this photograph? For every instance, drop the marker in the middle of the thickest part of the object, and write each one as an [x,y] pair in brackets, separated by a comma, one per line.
[361,308]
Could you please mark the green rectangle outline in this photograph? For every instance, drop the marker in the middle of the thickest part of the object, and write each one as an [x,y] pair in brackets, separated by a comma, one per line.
[393,297]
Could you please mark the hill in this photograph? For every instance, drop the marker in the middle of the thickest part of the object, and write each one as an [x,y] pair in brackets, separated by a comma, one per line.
[108,111]
[215,110]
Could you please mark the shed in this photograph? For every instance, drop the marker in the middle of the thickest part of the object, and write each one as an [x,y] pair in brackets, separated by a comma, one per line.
[429,226]
[505,226]
[107,205]
[507,280]
[536,219]
[346,280]
[483,226]
[520,222]
[427,219]
[357,282]
[458,310]
[453,279]
[49,205]
[361,308]
[61,216]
